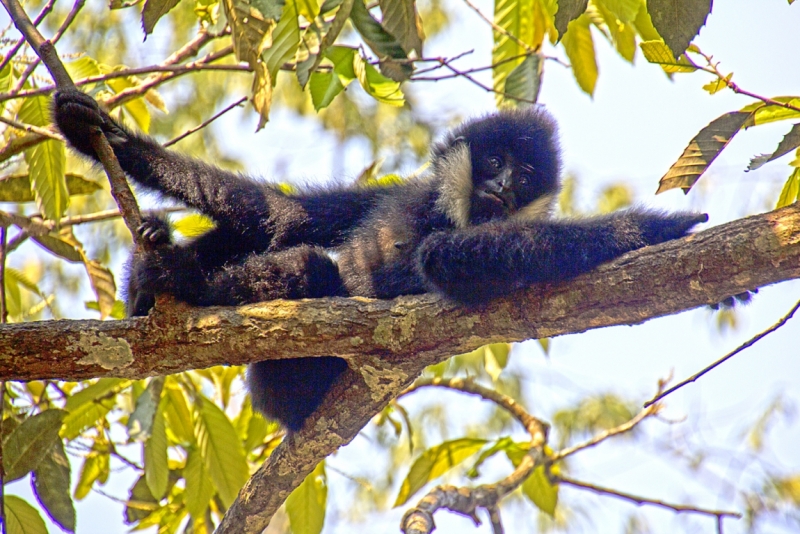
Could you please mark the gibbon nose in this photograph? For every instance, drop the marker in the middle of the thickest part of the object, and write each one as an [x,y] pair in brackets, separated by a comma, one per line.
[501,184]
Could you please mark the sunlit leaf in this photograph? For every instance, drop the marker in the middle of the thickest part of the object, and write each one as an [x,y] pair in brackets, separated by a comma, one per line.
[381,42]
[716,85]
[262,93]
[380,87]
[659,53]
[221,450]
[135,107]
[436,461]
[251,24]
[199,486]
[516,19]
[91,404]
[791,190]
[541,492]
[102,281]
[96,468]
[702,151]
[177,414]
[30,442]
[579,46]
[306,504]
[285,40]
[156,469]
[141,502]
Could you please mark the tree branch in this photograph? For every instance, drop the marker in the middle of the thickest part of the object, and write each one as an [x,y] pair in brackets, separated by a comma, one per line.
[388,343]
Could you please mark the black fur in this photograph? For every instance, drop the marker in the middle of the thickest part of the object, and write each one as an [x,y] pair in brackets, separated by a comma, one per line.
[475,228]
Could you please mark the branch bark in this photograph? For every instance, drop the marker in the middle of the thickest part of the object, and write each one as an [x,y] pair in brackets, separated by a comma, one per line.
[388,343]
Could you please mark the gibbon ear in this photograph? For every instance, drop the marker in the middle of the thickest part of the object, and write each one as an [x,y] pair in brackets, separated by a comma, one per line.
[459,139]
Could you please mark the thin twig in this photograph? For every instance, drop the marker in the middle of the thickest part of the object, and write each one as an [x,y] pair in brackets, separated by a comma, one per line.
[680,508]
[14,49]
[190,131]
[602,436]
[500,30]
[727,357]
[31,128]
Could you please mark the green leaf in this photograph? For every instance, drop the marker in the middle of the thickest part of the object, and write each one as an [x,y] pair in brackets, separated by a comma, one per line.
[308,8]
[141,502]
[46,161]
[6,79]
[501,444]
[525,80]
[59,247]
[789,142]
[678,21]
[495,358]
[766,113]
[380,87]
[95,468]
[51,480]
[251,24]
[140,422]
[702,151]
[517,19]
[153,11]
[135,107]
[221,450]
[199,486]
[177,414]
[718,84]
[193,225]
[285,40]
[306,504]
[624,10]
[324,87]
[623,36]
[102,281]
[435,462]
[541,492]
[156,467]
[21,517]
[91,404]
[81,68]
[385,46]
[579,46]
[791,190]
[644,25]
[30,442]
[659,53]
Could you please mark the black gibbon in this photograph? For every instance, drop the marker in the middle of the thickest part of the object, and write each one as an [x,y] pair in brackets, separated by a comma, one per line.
[474,228]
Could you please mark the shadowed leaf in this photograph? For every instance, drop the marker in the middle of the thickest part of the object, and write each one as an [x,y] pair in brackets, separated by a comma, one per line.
[51,480]
[789,142]
[678,21]
[568,10]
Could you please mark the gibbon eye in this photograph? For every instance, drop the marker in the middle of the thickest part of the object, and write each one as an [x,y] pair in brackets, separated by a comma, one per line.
[525,179]
[495,162]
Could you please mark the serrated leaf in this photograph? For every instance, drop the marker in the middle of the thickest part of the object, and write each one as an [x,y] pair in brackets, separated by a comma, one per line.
[177,414]
[568,11]
[579,46]
[153,11]
[156,467]
[46,162]
[324,87]
[517,19]
[380,87]
[678,21]
[525,80]
[791,190]
[221,450]
[199,486]
[434,462]
[401,20]
[96,468]
[541,492]
[51,480]
[659,53]
[30,442]
[21,517]
[789,142]
[307,503]
[385,46]
[702,151]
[766,113]
[644,25]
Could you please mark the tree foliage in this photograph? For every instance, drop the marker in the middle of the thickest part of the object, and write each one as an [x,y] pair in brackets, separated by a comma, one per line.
[193,439]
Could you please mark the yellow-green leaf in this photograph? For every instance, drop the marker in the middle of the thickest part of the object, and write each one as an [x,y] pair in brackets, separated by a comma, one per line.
[525,80]
[90,404]
[251,25]
[285,40]
[199,486]
[96,468]
[517,19]
[177,414]
[324,87]
[21,517]
[193,225]
[435,462]
[136,107]
[579,46]
[221,450]
[380,87]
[156,468]
[718,84]
[102,281]
[541,492]
[659,53]
[306,504]
[791,190]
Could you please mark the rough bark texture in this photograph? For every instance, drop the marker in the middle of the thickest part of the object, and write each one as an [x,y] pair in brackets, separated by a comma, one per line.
[388,343]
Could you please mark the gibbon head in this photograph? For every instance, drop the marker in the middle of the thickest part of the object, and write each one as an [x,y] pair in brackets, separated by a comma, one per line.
[504,165]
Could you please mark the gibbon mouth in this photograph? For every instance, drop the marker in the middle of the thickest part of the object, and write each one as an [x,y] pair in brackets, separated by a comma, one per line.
[504,198]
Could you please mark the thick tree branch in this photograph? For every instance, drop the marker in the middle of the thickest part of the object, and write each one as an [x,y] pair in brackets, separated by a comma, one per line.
[388,343]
